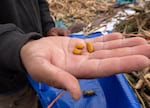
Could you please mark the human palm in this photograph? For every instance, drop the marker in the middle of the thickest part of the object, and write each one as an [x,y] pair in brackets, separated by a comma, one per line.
[51,60]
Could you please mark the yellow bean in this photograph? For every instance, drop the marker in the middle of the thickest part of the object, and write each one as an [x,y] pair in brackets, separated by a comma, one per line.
[77,51]
[90,47]
[79,46]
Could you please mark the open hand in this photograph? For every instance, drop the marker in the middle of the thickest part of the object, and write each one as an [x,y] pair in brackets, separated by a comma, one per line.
[50,59]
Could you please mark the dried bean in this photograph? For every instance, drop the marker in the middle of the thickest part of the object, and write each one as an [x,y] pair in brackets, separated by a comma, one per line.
[79,46]
[77,51]
[90,47]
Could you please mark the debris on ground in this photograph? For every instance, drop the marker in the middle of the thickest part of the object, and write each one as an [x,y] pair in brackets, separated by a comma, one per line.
[82,12]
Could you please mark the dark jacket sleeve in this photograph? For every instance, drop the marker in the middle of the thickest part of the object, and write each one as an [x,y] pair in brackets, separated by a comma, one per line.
[11,41]
[46,19]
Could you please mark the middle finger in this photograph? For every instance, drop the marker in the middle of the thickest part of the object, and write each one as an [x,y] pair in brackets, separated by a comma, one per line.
[141,50]
[119,43]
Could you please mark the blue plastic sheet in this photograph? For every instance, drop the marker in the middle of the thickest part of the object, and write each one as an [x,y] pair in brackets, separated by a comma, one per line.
[98,98]
[110,92]
[47,94]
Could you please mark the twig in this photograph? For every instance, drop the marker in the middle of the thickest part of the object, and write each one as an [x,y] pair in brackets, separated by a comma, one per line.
[57,97]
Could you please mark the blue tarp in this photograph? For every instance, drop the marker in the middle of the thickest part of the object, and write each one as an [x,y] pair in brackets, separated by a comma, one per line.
[47,94]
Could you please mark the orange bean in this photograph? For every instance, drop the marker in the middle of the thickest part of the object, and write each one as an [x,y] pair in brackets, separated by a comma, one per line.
[79,46]
[77,51]
[90,47]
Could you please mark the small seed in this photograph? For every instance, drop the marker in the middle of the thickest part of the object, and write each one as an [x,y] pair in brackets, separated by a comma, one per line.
[79,46]
[77,51]
[89,92]
[90,47]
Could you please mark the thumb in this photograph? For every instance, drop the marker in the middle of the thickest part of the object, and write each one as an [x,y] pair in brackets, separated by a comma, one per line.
[47,73]
[67,81]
